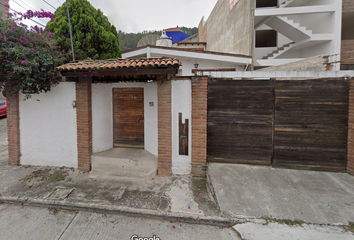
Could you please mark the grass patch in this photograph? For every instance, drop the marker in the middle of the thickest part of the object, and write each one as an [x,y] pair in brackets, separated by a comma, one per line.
[53,211]
[350,227]
[199,187]
[47,175]
[288,222]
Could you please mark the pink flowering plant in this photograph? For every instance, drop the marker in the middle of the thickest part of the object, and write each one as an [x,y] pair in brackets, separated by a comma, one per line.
[28,56]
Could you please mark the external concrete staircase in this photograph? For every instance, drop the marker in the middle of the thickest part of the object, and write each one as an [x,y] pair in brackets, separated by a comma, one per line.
[301,38]
[292,3]
[292,30]
[279,51]
[300,35]
[124,163]
[289,28]
[285,3]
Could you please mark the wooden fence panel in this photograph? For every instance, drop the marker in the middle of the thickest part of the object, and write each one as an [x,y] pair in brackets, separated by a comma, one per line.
[240,116]
[311,121]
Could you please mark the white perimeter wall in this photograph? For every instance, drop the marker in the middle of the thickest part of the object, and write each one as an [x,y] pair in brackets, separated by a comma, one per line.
[181,103]
[188,65]
[102,115]
[48,128]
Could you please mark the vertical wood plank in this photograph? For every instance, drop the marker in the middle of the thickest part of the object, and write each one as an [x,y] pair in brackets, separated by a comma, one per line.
[240,118]
[128,117]
[183,135]
[311,124]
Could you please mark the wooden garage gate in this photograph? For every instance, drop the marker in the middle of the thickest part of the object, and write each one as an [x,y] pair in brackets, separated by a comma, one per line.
[240,118]
[299,124]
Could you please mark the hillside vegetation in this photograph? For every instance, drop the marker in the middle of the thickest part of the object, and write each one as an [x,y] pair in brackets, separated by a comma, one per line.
[130,40]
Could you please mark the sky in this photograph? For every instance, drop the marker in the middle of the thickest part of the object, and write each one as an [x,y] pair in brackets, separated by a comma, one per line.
[134,15]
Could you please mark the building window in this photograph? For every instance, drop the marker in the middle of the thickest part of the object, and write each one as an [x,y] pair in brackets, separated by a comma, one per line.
[266,38]
[347,25]
[266,3]
[347,67]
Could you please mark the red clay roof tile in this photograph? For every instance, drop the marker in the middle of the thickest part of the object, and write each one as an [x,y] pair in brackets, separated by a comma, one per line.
[119,63]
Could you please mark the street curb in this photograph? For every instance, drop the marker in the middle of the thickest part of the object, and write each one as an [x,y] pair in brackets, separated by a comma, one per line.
[13,200]
[211,189]
[126,211]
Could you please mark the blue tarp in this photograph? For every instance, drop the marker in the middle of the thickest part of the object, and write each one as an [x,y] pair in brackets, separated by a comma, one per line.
[177,36]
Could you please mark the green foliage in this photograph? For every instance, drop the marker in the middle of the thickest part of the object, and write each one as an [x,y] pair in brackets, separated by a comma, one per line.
[28,58]
[285,221]
[93,35]
[350,227]
[189,31]
[130,40]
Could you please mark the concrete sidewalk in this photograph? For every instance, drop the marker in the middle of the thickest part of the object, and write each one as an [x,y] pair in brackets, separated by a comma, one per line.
[181,198]
[283,203]
[309,196]
[259,202]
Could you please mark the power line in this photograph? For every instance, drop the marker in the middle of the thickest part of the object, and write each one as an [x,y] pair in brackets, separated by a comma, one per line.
[19,5]
[27,5]
[29,8]
[60,3]
[26,10]
[19,13]
[49,4]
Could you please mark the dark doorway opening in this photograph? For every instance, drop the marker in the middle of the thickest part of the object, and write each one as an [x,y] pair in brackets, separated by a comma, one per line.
[266,38]
[266,3]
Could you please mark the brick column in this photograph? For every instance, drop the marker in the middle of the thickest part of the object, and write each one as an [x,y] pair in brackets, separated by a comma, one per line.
[13,128]
[164,95]
[199,125]
[350,156]
[84,123]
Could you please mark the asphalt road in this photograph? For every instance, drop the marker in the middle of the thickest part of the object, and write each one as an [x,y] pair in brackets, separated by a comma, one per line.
[17,223]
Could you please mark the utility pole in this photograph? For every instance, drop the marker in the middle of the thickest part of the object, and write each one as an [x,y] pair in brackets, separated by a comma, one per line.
[71,35]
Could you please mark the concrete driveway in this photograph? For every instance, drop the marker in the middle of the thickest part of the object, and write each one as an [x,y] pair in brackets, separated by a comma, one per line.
[313,197]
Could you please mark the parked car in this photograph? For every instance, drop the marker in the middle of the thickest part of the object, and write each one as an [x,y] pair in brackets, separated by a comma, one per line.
[3,108]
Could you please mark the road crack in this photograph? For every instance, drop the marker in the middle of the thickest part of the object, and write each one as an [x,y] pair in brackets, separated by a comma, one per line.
[68,225]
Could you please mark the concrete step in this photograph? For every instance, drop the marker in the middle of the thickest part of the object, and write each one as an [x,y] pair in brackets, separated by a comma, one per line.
[124,162]
[109,172]
[280,49]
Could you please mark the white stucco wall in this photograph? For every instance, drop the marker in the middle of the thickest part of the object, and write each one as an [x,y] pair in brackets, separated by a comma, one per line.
[102,115]
[181,103]
[48,128]
[150,118]
[188,65]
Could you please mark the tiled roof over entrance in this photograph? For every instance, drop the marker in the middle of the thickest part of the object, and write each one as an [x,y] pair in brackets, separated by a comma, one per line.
[120,64]
[140,69]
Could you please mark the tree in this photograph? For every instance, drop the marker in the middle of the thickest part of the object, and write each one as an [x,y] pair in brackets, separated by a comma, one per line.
[93,35]
[28,57]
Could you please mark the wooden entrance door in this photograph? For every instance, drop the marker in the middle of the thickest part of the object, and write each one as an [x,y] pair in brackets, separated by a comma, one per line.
[128,117]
